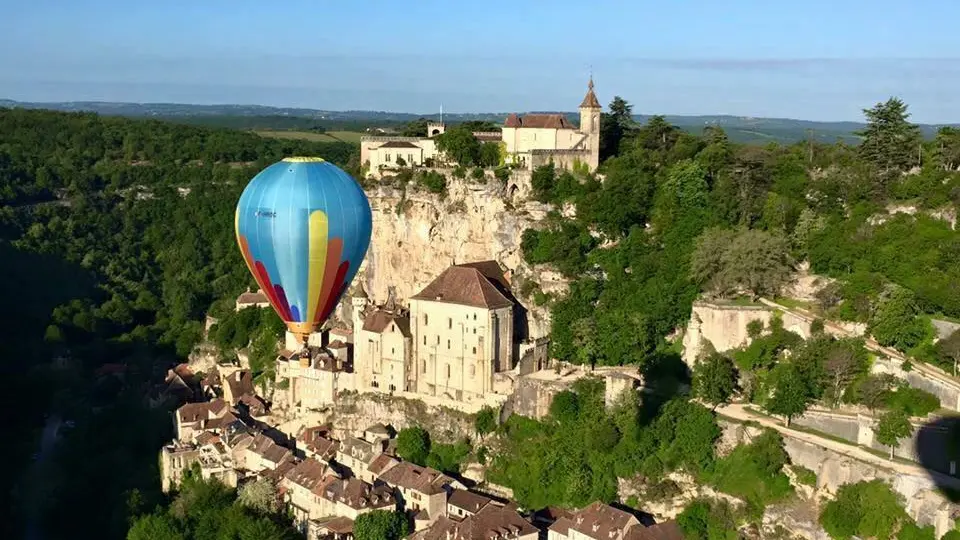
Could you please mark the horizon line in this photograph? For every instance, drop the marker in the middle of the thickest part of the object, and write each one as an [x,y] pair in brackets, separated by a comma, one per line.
[427,115]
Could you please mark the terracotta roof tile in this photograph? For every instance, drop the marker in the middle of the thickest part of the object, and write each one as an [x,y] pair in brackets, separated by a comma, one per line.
[315,439]
[468,284]
[382,463]
[307,474]
[491,522]
[337,525]
[601,520]
[356,493]
[252,298]
[379,322]
[542,121]
[467,500]
[240,382]
[410,476]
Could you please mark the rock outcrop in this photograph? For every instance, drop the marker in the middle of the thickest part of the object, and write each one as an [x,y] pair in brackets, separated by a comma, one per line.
[417,235]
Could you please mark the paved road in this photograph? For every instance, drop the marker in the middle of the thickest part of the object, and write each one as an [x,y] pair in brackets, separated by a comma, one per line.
[35,488]
[739,412]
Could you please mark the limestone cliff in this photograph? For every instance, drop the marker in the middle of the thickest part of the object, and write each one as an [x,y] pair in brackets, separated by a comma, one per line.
[417,235]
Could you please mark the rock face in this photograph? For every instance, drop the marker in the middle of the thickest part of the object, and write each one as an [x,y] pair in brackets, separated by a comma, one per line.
[417,235]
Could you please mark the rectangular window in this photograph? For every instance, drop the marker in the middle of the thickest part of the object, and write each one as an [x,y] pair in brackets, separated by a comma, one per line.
[423,366]
[426,319]
[448,371]
[448,344]
[424,339]
[474,350]
[449,322]
[386,157]
[409,159]
[438,340]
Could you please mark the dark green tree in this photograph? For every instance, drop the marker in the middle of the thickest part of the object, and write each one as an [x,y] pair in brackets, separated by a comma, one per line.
[890,141]
[792,392]
[715,379]
[893,426]
[381,525]
[413,444]
[460,146]
[485,421]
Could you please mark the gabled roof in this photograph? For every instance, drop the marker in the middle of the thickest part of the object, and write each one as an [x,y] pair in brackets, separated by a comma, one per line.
[410,476]
[548,121]
[240,383]
[356,493]
[382,463]
[316,440]
[473,284]
[491,522]
[266,448]
[467,500]
[601,521]
[379,321]
[398,144]
[307,474]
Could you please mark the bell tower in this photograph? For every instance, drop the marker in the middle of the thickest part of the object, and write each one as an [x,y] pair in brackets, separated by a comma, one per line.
[590,124]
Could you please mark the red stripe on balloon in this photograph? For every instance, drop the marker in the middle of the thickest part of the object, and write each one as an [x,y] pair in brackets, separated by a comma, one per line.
[282,303]
[257,270]
[263,279]
[338,287]
[334,249]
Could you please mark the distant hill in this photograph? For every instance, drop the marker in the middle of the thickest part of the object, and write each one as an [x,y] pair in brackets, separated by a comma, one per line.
[259,117]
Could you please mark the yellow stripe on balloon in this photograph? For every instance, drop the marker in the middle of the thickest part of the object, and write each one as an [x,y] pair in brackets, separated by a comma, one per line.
[319,228]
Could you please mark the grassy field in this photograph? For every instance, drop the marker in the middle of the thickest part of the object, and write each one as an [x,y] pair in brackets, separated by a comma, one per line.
[330,136]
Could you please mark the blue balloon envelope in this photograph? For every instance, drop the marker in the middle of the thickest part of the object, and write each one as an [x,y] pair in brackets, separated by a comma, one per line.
[303,226]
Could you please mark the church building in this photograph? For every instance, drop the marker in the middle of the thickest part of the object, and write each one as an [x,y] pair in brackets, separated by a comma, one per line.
[530,140]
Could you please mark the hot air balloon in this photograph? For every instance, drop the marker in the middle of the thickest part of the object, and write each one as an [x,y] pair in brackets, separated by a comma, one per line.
[303,226]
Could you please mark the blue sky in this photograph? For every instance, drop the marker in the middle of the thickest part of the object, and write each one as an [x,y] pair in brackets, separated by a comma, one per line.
[814,59]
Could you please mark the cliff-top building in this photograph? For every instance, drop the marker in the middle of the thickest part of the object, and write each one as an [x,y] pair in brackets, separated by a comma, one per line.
[530,140]
[457,342]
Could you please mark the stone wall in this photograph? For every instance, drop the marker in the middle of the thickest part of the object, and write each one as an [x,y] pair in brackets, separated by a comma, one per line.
[723,326]
[946,391]
[923,501]
[861,429]
[417,235]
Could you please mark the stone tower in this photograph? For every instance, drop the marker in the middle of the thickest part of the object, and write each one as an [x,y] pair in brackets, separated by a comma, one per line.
[590,124]
[358,301]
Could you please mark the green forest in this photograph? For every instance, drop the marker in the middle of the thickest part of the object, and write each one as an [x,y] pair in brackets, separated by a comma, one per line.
[117,239]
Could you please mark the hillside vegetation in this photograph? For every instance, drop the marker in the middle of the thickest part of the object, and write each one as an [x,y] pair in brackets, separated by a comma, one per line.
[130,246]
[679,215]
